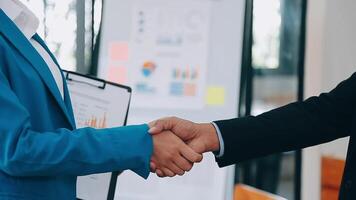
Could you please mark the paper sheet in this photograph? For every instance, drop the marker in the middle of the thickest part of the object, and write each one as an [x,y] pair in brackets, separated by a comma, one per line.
[97,108]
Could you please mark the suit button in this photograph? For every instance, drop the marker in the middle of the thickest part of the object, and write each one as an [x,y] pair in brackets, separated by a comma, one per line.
[348,184]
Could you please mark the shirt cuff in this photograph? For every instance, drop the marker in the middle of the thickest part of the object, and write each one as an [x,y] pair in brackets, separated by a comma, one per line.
[221,152]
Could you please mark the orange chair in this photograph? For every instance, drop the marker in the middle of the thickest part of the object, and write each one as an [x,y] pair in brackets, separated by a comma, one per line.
[244,192]
[331,176]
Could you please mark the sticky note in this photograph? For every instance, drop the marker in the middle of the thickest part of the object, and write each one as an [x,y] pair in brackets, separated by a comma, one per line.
[118,74]
[119,51]
[190,89]
[215,96]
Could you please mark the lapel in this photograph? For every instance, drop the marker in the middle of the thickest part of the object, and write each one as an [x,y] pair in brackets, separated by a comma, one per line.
[67,99]
[14,35]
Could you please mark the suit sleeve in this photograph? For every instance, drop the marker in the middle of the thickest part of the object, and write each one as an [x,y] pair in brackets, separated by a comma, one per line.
[26,152]
[314,121]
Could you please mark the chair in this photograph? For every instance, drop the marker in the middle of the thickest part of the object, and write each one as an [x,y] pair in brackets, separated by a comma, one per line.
[331,175]
[244,192]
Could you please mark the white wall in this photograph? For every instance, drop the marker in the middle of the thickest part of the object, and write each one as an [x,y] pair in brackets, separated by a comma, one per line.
[330,58]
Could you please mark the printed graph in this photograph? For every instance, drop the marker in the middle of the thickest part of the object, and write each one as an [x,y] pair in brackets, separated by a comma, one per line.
[96,122]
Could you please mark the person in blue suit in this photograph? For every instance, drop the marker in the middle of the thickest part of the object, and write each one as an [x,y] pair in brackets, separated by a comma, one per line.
[41,151]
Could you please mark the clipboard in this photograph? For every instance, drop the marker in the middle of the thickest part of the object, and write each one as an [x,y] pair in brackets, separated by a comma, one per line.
[99,104]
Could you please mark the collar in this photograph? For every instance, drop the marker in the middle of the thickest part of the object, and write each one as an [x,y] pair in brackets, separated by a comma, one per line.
[18,41]
[24,19]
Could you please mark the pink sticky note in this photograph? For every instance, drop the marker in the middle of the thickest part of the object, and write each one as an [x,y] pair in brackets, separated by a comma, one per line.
[119,51]
[118,74]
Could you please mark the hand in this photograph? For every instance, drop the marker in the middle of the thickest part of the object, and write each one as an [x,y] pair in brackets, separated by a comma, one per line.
[171,155]
[200,137]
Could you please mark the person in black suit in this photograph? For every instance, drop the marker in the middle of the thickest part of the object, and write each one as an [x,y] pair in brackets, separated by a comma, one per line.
[316,120]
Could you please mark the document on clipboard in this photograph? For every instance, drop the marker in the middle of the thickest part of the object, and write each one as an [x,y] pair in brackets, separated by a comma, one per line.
[98,104]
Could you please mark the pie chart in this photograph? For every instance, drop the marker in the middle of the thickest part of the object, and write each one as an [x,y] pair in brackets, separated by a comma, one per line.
[148,68]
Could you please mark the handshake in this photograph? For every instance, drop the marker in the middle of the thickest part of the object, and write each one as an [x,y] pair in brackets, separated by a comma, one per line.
[178,144]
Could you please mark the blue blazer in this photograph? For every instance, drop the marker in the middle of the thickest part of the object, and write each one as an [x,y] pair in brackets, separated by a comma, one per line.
[41,151]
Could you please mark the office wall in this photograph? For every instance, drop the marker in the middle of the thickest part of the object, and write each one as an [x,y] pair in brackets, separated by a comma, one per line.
[330,58]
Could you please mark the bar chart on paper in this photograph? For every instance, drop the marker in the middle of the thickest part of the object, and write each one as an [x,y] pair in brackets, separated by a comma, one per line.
[92,112]
[97,104]
[95,112]
[96,122]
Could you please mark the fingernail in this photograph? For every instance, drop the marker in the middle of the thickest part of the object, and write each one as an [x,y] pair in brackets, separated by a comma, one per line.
[152,130]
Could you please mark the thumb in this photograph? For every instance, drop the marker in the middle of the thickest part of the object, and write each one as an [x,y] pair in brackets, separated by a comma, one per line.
[155,130]
[154,127]
[160,125]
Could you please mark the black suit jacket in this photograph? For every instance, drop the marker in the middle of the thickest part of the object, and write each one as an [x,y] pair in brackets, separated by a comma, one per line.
[317,120]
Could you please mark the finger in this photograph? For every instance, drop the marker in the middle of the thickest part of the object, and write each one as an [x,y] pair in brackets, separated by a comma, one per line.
[153,166]
[183,164]
[159,173]
[191,155]
[154,130]
[175,169]
[152,124]
[168,172]
[160,125]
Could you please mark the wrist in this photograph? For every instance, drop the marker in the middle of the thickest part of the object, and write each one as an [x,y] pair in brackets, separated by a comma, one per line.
[209,136]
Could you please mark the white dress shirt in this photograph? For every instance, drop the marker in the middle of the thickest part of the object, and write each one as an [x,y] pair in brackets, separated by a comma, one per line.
[28,24]
[221,142]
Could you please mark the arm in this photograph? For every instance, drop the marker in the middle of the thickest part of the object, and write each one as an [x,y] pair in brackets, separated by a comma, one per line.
[314,121]
[26,152]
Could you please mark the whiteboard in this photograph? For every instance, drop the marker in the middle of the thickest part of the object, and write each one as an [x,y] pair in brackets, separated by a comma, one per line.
[148,45]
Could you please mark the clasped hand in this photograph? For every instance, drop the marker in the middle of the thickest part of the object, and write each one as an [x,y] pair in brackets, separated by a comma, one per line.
[178,144]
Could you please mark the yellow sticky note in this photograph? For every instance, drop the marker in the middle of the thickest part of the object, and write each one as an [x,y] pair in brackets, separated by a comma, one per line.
[215,96]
